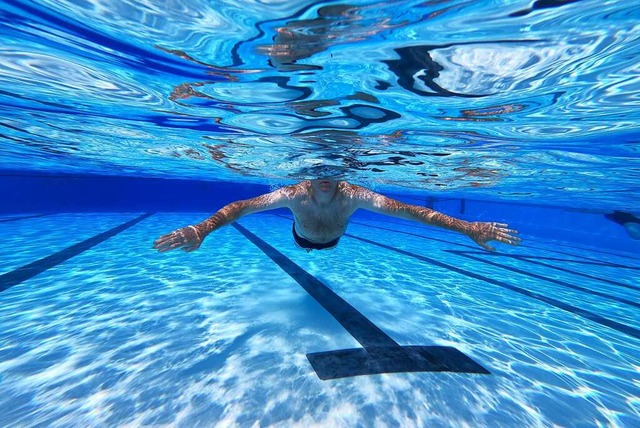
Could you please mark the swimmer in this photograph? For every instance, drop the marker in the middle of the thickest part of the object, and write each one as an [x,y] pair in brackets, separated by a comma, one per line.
[630,222]
[321,209]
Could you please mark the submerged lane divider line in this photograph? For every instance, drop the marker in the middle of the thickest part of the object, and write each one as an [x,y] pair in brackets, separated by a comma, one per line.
[622,328]
[546,278]
[26,272]
[588,261]
[6,220]
[529,259]
[380,353]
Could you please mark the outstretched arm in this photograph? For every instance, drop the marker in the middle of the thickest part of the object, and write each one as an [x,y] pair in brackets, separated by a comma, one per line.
[479,232]
[190,237]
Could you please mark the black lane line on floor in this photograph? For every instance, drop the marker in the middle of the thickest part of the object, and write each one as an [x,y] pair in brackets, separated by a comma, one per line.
[590,249]
[634,332]
[536,261]
[447,232]
[580,262]
[529,259]
[380,353]
[533,260]
[26,272]
[520,257]
[22,218]
[525,245]
[591,261]
[526,258]
[545,278]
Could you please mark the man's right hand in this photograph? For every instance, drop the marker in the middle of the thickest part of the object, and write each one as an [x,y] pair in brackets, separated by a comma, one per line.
[188,238]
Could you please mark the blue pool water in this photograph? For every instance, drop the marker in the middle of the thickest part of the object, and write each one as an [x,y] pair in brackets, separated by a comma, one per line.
[122,120]
[119,335]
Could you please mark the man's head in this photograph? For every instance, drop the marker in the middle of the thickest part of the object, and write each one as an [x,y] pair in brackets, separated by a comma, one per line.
[324,187]
[327,172]
[324,179]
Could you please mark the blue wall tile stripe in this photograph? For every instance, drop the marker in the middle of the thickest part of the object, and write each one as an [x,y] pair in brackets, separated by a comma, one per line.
[546,278]
[5,220]
[622,328]
[363,330]
[26,272]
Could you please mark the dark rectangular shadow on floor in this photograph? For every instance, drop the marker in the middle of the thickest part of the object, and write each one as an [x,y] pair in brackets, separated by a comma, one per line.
[380,353]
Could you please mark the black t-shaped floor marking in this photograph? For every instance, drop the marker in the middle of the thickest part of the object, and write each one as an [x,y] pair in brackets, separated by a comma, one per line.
[380,353]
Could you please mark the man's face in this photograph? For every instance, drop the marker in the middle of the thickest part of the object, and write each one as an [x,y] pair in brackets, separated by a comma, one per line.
[324,185]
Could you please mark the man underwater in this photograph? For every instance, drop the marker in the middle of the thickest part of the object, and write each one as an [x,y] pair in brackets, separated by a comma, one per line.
[321,209]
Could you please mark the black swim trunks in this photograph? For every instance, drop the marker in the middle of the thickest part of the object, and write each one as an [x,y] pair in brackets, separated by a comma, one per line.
[305,243]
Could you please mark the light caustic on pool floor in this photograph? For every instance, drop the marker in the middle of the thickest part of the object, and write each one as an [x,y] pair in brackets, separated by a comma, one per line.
[222,333]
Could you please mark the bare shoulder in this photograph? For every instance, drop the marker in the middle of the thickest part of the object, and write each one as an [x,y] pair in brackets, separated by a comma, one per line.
[353,191]
[279,198]
[290,193]
[360,195]
[295,191]
[373,201]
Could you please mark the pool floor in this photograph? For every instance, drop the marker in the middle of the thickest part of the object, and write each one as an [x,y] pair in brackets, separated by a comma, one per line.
[98,329]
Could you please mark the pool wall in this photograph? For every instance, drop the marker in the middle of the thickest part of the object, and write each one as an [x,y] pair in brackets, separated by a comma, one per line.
[22,192]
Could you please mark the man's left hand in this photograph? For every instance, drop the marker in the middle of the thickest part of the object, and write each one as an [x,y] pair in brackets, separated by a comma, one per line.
[483,232]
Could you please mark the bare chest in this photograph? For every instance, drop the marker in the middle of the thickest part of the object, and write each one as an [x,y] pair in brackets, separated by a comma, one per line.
[321,224]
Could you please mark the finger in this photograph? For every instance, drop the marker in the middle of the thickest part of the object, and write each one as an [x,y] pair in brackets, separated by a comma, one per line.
[166,243]
[508,241]
[160,240]
[507,232]
[500,224]
[507,236]
[169,247]
[511,237]
[486,247]
[165,238]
